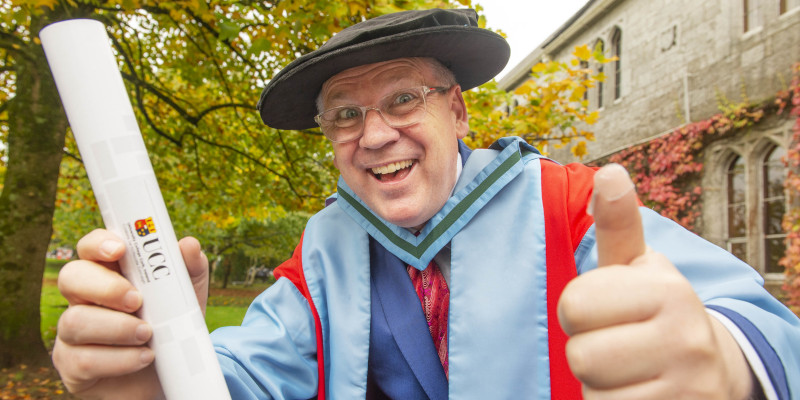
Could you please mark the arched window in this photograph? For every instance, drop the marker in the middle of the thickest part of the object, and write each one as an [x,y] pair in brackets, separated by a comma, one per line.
[774,206]
[600,47]
[737,208]
[616,48]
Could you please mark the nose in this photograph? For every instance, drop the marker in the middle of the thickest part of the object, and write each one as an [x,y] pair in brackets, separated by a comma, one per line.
[377,133]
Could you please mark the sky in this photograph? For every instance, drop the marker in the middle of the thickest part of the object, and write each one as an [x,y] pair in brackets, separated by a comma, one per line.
[527,23]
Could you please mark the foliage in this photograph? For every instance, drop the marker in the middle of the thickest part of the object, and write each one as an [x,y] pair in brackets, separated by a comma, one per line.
[251,242]
[666,169]
[193,70]
[551,108]
[791,221]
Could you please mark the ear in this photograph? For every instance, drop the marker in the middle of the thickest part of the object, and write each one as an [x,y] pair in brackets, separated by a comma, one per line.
[459,111]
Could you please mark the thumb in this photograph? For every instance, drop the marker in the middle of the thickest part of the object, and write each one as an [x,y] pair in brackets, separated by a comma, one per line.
[618,224]
[197,266]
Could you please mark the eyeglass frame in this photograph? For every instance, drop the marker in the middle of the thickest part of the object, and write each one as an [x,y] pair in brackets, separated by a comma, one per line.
[426,90]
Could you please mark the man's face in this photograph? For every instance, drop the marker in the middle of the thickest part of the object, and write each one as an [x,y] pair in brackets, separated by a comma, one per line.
[405,175]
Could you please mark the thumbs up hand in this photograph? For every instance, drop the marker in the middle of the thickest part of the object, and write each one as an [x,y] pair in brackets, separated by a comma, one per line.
[637,329]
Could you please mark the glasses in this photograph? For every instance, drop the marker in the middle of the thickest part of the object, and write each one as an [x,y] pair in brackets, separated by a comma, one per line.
[400,109]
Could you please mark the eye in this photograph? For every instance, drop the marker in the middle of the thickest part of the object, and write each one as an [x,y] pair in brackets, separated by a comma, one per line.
[348,113]
[404,98]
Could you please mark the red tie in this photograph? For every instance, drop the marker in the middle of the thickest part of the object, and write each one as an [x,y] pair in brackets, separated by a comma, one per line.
[435,298]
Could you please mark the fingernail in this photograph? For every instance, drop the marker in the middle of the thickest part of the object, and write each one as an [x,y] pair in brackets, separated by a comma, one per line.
[612,182]
[143,332]
[109,247]
[146,356]
[132,300]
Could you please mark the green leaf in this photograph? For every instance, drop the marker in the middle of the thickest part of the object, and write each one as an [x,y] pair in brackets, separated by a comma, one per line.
[228,30]
[260,45]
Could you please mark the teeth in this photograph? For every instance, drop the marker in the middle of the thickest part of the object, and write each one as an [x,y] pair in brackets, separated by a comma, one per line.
[393,167]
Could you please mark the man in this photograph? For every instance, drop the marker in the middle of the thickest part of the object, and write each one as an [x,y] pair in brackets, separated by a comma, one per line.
[440,272]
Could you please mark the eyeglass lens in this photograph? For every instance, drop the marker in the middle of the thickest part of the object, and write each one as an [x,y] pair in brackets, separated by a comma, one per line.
[398,109]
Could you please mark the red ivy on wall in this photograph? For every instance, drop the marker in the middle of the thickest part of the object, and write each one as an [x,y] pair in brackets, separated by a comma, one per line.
[667,169]
[791,221]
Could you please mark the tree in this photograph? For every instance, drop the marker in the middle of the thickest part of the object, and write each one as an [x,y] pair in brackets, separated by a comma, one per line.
[549,109]
[193,69]
[34,127]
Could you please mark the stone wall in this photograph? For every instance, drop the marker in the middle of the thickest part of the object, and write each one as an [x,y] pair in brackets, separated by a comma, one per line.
[680,60]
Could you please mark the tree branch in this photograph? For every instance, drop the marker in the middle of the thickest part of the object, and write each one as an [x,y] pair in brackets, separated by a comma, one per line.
[150,121]
[248,156]
[73,156]
[199,165]
[15,45]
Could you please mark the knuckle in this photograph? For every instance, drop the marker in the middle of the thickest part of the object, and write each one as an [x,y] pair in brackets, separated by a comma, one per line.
[697,344]
[66,275]
[578,359]
[82,365]
[58,354]
[85,242]
[572,307]
[69,325]
[114,291]
[71,370]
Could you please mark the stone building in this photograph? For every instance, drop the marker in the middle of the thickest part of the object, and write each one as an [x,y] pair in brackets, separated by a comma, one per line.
[679,60]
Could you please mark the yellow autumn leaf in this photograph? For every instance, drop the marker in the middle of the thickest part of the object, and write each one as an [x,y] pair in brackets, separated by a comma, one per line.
[356,8]
[582,53]
[524,89]
[577,94]
[579,150]
[592,117]
[51,4]
[539,68]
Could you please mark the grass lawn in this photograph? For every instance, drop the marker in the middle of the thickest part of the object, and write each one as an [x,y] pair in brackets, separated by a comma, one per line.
[224,309]
[225,306]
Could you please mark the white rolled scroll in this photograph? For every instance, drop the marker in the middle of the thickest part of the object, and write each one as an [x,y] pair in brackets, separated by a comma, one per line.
[114,155]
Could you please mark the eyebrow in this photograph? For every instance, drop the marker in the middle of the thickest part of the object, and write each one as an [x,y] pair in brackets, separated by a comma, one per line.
[395,78]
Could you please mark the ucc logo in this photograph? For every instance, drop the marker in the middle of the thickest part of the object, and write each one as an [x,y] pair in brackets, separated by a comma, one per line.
[155,259]
[145,226]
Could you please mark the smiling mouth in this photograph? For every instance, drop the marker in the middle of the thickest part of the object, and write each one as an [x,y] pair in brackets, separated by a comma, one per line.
[392,171]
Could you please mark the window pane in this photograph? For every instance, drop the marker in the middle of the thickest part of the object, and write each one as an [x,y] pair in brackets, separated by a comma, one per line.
[617,46]
[739,250]
[774,250]
[736,188]
[773,215]
[737,221]
[737,212]
[585,66]
[774,173]
[600,47]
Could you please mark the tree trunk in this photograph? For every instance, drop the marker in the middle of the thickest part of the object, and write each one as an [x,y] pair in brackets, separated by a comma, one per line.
[37,127]
[226,263]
